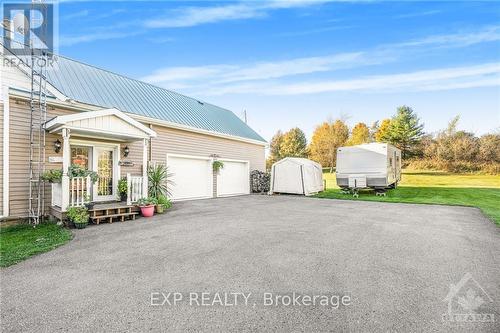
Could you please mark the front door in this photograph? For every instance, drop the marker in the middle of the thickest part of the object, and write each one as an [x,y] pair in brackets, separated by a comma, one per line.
[104,165]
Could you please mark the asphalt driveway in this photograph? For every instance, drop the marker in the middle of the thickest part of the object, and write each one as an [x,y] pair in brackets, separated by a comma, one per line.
[391,265]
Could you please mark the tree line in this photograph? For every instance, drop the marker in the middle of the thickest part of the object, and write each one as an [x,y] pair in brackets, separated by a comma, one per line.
[448,150]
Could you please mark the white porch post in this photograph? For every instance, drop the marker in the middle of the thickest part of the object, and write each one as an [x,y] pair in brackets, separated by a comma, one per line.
[129,189]
[145,168]
[65,164]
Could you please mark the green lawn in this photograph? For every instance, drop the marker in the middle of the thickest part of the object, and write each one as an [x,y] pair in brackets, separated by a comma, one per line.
[19,242]
[481,191]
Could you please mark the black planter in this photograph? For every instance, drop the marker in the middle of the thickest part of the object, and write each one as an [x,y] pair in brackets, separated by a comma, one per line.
[80,225]
[89,205]
[123,196]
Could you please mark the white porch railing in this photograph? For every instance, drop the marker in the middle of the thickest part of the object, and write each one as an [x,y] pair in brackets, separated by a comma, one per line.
[79,191]
[134,188]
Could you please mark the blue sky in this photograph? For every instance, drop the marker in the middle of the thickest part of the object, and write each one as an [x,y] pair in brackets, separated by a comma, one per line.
[298,63]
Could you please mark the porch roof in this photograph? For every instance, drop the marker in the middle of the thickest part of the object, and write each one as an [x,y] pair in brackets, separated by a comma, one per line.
[102,124]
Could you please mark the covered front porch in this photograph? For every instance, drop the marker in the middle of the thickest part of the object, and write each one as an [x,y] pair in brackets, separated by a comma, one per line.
[96,145]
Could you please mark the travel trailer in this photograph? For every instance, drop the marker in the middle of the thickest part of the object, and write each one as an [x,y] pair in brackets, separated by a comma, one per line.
[294,175]
[372,165]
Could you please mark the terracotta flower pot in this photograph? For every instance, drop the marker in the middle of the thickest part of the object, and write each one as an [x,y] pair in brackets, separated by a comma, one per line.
[148,211]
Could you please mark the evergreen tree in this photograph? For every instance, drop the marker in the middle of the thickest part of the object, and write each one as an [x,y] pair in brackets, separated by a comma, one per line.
[405,130]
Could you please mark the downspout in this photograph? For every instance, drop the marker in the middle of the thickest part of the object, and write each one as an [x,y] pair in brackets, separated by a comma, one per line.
[6,158]
[150,144]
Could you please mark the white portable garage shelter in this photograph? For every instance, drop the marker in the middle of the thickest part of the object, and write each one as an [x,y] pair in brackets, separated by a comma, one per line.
[296,176]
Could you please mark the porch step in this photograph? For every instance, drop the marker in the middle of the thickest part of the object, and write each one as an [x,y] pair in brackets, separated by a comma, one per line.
[109,212]
[109,218]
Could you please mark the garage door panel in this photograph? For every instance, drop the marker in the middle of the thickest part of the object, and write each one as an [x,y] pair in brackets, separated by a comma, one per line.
[233,179]
[192,177]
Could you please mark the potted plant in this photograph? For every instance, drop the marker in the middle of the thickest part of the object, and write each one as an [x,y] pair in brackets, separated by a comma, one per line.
[147,206]
[52,176]
[162,204]
[159,180]
[88,203]
[123,189]
[79,216]
[76,170]
[217,166]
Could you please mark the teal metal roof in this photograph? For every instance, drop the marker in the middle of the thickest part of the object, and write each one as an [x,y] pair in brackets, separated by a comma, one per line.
[91,85]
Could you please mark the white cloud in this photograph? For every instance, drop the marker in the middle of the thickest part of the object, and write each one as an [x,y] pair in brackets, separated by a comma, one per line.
[435,79]
[193,16]
[487,34]
[235,78]
[91,37]
[483,75]
[419,14]
[261,70]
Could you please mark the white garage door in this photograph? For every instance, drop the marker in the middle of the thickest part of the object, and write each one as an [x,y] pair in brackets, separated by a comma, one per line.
[234,178]
[192,177]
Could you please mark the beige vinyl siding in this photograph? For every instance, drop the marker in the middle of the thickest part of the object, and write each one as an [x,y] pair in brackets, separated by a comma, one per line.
[175,141]
[19,155]
[134,156]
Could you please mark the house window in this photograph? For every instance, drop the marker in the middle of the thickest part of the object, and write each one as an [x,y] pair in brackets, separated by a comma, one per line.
[80,156]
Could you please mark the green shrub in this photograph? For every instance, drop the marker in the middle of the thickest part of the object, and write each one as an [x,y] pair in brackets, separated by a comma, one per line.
[122,186]
[52,176]
[490,168]
[77,171]
[164,202]
[159,180]
[147,201]
[78,215]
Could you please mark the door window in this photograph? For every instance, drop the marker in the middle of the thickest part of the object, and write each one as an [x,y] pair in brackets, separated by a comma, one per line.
[105,172]
[80,156]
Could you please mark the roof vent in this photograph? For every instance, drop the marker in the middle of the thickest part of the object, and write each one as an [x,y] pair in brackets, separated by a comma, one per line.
[201,103]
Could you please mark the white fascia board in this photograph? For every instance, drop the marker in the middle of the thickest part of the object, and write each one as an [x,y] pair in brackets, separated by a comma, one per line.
[169,124]
[62,120]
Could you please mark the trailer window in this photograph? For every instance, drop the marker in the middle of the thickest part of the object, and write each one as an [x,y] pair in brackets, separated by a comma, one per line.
[390,161]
